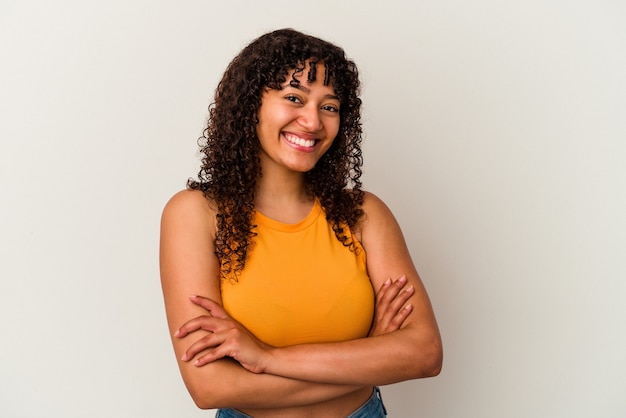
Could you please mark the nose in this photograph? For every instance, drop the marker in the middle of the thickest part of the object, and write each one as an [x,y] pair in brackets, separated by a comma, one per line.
[309,118]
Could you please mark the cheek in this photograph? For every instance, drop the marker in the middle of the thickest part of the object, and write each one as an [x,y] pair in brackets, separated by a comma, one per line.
[333,128]
[275,118]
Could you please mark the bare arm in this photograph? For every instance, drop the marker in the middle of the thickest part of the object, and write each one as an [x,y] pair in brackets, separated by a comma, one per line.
[413,351]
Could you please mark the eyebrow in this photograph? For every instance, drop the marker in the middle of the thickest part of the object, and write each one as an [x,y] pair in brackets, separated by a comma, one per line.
[307,90]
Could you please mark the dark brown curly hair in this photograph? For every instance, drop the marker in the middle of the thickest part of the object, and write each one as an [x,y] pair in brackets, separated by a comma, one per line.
[231,163]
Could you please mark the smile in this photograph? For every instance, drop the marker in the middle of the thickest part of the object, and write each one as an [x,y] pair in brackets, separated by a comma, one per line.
[296,140]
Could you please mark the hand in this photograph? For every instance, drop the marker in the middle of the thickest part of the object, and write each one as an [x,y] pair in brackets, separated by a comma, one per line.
[390,311]
[227,338]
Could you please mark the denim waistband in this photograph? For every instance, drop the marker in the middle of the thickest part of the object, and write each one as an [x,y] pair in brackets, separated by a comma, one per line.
[372,408]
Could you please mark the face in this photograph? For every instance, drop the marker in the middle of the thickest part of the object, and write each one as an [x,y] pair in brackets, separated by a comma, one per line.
[298,124]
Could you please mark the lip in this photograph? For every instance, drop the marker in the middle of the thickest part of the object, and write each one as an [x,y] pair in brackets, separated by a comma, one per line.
[292,140]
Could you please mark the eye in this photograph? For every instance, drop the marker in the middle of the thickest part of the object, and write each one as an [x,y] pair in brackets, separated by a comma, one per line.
[293,99]
[330,108]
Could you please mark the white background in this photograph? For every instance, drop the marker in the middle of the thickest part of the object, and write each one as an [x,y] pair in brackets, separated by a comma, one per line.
[495,130]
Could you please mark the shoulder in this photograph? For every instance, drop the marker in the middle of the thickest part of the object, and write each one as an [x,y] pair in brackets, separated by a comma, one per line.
[378,226]
[371,201]
[187,200]
[187,236]
[374,210]
[189,209]
[375,216]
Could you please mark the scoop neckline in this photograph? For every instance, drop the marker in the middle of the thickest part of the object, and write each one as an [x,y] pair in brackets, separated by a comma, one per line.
[266,221]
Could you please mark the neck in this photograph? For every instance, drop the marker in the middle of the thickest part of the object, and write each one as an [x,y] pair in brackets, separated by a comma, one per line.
[281,195]
[281,188]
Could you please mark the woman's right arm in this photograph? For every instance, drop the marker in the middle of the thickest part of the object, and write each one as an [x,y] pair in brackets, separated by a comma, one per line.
[189,267]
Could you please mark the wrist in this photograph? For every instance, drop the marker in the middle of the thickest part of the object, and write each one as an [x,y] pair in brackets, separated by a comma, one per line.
[271,360]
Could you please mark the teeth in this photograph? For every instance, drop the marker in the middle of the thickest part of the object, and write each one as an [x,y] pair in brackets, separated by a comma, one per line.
[300,141]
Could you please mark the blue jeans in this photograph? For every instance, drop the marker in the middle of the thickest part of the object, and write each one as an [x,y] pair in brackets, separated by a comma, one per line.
[372,408]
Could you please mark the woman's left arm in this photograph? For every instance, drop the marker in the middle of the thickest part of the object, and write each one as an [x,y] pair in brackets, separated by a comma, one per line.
[413,351]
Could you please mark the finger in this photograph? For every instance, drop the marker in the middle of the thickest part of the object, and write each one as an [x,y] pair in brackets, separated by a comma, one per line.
[217,353]
[209,341]
[210,305]
[383,287]
[399,301]
[401,316]
[391,316]
[205,322]
[401,298]
[388,295]
[395,288]
[387,292]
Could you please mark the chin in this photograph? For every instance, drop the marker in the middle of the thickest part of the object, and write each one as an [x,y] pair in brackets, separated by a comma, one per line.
[302,167]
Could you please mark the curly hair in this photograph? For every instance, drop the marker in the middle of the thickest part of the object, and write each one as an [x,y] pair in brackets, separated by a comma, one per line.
[230,147]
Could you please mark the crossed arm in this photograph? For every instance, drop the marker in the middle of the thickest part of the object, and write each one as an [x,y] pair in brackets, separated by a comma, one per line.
[231,367]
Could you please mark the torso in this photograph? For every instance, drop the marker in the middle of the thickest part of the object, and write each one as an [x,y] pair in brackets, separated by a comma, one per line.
[301,285]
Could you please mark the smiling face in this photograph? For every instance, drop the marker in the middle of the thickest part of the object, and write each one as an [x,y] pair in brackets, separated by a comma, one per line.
[298,123]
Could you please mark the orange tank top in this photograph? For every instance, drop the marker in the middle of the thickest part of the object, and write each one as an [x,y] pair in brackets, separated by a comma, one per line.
[301,285]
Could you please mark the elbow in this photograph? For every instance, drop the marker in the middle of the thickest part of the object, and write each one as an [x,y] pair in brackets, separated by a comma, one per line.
[201,398]
[206,385]
[202,403]
[435,367]
[428,361]
[204,397]
[434,360]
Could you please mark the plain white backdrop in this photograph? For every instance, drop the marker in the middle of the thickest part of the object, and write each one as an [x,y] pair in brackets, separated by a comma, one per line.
[495,130]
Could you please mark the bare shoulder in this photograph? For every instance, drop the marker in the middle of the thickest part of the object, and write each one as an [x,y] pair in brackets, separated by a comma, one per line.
[189,208]
[371,201]
[187,237]
[374,211]
[188,200]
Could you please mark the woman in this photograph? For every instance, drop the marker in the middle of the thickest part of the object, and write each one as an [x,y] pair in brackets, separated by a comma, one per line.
[286,250]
